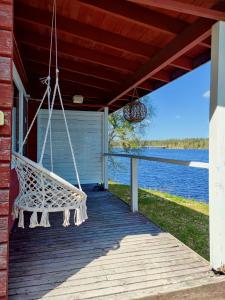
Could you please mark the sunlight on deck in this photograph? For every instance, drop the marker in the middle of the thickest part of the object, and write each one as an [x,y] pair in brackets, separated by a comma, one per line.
[114,255]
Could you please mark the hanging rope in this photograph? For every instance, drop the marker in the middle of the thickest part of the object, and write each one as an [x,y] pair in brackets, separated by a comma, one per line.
[41,190]
[51,101]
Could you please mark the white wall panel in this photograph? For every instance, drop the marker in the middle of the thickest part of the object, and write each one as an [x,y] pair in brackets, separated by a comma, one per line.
[86,129]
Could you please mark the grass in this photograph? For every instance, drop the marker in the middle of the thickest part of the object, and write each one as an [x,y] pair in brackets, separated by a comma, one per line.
[186,219]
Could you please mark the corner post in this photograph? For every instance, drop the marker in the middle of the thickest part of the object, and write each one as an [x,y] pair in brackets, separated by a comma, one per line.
[217,149]
[134,185]
[105,147]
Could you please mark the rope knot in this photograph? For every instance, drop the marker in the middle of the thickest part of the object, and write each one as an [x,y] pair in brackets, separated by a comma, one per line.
[45,80]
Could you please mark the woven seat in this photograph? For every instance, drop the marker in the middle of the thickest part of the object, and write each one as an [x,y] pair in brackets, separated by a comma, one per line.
[44,191]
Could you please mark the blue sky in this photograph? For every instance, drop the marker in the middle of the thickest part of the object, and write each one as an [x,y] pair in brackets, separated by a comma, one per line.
[181,107]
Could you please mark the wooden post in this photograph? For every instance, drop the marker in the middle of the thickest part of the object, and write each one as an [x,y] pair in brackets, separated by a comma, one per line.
[105,148]
[134,185]
[217,149]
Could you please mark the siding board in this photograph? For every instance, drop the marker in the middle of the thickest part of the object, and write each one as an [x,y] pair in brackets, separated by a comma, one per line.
[6,95]
[3,283]
[5,148]
[3,256]
[3,229]
[5,175]
[86,130]
[4,202]
[6,17]
[6,43]
[5,69]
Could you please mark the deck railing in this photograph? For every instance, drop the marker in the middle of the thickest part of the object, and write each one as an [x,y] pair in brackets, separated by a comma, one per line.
[134,173]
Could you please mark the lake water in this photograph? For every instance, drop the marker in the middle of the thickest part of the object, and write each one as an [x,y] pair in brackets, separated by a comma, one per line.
[177,180]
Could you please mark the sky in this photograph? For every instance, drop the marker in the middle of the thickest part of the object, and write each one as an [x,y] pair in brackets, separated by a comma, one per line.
[181,107]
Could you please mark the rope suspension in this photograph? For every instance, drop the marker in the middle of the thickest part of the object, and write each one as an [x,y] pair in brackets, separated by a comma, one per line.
[42,190]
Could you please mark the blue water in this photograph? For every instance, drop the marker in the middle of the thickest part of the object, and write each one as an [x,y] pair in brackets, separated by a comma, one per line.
[177,180]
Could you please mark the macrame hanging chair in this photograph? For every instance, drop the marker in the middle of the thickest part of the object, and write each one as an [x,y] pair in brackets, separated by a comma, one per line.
[42,190]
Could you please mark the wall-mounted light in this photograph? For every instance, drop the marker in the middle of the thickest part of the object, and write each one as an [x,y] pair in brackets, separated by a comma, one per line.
[78,99]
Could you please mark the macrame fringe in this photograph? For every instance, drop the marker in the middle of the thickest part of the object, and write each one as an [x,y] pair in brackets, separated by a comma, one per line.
[15,212]
[84,210]
[66,214]
[45,219]
[21,219]
[80,214]
[34,220]
[78,219]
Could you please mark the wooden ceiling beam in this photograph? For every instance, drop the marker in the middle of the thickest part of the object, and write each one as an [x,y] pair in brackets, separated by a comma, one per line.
[41,69]
[138,15]
[206,43]
[202,58]
[36,41]
[68,89]
[184,8]
[118,43]
[28,14]
[75,66]
[71,104]
[184,63]
[146,86]
[162,76]
[190,37]
[32,38]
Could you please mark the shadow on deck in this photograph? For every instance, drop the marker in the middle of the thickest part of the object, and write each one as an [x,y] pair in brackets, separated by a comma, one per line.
[114,255]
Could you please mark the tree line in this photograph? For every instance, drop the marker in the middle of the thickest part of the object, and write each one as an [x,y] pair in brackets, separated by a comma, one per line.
[188,143]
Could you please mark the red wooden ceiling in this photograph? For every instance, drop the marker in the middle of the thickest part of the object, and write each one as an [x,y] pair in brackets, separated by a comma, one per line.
[107,48]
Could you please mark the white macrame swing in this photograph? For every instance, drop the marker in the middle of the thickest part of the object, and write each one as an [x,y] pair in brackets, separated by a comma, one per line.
[42,190]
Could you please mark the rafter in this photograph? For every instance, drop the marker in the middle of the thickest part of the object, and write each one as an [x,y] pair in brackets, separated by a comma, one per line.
[68,89]
[32,38]
[84,31]
[138,15]
[202,58]
[190,37]
[185,8]
[38,41]
[65,63]
[41,68]
[90,33]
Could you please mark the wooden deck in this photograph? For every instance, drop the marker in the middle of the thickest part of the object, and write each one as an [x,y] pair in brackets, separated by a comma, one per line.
[114,255]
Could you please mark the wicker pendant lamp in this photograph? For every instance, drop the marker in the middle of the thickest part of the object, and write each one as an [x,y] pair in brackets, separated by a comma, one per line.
[135,111]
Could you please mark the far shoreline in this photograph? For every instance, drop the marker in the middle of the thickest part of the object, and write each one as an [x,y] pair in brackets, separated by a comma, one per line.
[155,147]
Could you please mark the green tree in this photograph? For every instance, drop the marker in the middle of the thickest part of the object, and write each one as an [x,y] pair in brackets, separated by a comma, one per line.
[125,134]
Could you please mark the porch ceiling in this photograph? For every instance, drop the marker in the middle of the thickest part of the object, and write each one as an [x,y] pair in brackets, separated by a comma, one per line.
[107,48]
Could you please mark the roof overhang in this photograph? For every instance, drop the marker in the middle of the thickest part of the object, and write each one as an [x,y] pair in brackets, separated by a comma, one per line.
[108,48]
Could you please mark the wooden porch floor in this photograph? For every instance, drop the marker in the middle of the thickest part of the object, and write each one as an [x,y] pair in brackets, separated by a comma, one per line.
[114,255]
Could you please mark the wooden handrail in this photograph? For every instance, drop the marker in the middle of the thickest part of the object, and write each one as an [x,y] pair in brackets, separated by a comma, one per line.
[134,176]
[194,164]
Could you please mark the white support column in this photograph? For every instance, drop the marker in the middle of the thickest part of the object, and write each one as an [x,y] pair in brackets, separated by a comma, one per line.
[217,149]
[134,185]
[105,147]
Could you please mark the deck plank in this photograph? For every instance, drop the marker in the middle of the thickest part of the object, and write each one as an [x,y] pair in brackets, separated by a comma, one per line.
[114,255]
